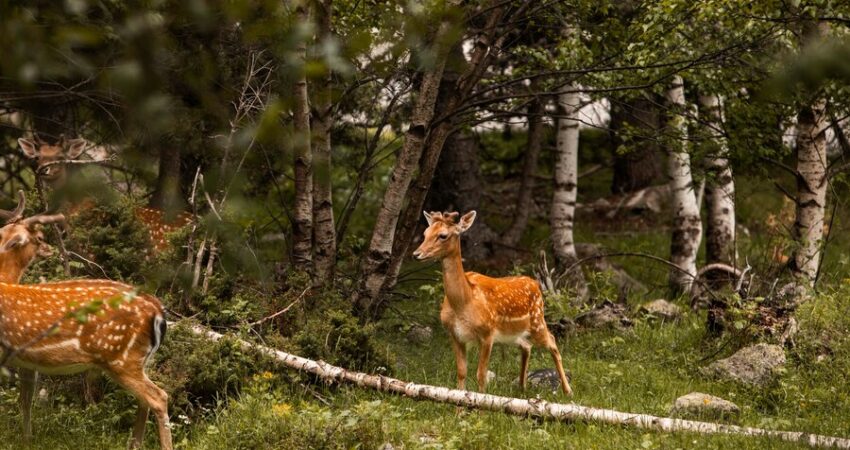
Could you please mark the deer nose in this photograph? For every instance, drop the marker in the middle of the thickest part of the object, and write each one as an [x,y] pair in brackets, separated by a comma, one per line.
[417,254]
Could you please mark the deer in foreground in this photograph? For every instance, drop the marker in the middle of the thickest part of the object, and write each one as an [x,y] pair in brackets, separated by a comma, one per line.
[50,169]
[481,310]
[41,325]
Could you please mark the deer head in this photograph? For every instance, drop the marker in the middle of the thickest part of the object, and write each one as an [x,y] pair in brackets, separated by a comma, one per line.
[48,157]
[442,237]
[21,240]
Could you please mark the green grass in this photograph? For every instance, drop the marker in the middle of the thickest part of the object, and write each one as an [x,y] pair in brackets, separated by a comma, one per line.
[641,370]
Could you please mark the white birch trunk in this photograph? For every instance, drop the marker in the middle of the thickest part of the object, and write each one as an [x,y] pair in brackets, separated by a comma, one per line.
[811,190]
[812,173]
[516,406]
[720,189]
[687,226]
[562,214]
[302,223]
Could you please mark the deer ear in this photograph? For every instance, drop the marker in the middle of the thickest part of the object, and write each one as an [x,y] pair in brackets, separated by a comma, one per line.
[428,217]
[466,221]
[75,148]
[29,148]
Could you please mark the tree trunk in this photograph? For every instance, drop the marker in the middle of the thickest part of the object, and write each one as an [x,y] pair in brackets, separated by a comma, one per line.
[642,165]
[562,214]
[370,302]
[525,195]
[457,186]
[302,226]
[720,188]
[418,190]
[565,189]
[720,201]
[811,179]
[566,412]
[324,231]
[167,195]
[376,262]
[687,225]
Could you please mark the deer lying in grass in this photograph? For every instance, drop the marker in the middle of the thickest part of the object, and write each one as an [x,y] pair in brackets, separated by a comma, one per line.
[483,310]
[55,174]
[72,326]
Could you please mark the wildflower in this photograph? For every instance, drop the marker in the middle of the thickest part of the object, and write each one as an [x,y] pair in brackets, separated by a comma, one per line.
[282,409]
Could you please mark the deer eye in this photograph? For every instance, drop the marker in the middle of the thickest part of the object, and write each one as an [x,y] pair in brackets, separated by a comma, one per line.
[443,236]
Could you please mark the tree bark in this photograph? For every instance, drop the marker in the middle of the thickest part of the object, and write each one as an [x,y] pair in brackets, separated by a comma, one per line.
[642,165]
[302,220]
[562,214]
[382,277]
[525,194]
[720,188]
[324,230]
[687,225]
[167,195]
[565,189]
[811,179]
[376,262]
[418,190]
[720,202]
[566,412]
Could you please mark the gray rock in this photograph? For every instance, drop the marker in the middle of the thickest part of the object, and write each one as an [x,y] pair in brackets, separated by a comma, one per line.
[420,334]
[697,405]
[543,379]
[756,365]
[606,315]
[662,309]
[562,327]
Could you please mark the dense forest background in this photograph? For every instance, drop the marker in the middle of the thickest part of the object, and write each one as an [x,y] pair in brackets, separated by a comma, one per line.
[619,152]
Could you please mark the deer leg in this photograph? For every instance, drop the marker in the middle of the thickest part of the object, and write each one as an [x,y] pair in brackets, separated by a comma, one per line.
[483,362]
[460,359]
[523,367]
[152,398]
[552,345]
[29,380]
[139,426]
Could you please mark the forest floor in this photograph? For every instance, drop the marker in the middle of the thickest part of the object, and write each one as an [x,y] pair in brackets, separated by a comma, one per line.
[642,369]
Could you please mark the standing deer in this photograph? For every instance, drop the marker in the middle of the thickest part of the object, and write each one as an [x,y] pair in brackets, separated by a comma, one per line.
[49,169]
[483,310]
[40,326]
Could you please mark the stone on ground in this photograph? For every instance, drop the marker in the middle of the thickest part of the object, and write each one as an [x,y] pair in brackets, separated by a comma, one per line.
[697,405]
[420,334]
[606,315]
[756,365]
[662,309]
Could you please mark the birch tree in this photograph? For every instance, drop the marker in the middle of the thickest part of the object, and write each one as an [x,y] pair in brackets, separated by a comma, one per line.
[687,226]
[302,222]
[720,189]
[562,214]
[811,174]
[324,232]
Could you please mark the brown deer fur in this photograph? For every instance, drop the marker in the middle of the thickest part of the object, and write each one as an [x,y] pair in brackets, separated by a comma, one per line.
[121,331]
[482,310]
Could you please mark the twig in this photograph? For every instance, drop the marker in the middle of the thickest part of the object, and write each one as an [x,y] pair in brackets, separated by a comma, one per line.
[282,311]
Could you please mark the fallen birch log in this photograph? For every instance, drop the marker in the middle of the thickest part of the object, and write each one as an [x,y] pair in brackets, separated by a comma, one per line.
[517,406]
